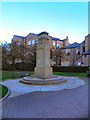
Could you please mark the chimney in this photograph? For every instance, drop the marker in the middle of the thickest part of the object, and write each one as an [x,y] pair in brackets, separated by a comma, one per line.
[66,37]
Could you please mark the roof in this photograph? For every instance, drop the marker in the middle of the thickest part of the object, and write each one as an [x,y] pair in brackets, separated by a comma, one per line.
[88,35]
[82,42]
[64,39]
[87,52]
[22,37]
[74,45]
[34,34]
[44,32]
[54,38]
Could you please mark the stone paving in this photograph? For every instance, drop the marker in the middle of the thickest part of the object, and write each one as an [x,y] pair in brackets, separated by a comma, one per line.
[18,88]
[72,103]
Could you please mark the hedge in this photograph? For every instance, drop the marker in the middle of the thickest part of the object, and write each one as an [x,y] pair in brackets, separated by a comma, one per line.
[30,67]
[80,69]
[18,66]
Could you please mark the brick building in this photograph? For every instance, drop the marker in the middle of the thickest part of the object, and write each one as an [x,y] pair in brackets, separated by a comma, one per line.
[71,54]
[77,54]
[86,54]
[32,39]
[63,53]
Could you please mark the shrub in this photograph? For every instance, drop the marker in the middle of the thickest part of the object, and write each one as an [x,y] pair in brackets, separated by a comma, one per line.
[18,66]
[80,69]
[5,66]
[30,67]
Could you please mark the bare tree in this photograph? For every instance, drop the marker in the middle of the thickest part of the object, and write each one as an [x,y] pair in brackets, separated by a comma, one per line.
[31,55]
[56,54]
[5,52]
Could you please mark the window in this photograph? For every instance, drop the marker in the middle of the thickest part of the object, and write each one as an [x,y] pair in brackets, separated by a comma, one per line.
[79,63]
[67,61]
[53,43]
[68,51]
[7,50]
[78,51]
[83,48]
[29,42]
[18,43]
[57,45]
[33,42]
[36,40]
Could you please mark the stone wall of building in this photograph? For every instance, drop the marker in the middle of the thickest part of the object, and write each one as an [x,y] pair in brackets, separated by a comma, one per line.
[67,59]
[66,42]
[87,46]
[30,37]
[70,58]
[18,40]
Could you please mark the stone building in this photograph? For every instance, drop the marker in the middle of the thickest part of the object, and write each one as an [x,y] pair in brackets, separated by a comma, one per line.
[32,39]
[77,54]
[62,52]
[19,39]
[86,54]
[79,60]
[71,54]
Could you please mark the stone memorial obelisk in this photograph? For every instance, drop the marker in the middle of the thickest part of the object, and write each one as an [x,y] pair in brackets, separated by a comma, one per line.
[43,74]
[43,67]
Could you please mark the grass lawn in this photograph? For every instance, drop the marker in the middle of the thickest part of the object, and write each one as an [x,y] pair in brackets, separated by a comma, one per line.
[70,74]
[8,74]
[3,91]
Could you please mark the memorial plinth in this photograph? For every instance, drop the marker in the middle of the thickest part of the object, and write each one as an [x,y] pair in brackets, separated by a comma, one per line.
[43,74]
[43,67]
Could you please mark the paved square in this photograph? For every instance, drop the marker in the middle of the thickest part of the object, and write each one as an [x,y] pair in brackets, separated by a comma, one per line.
[71,103]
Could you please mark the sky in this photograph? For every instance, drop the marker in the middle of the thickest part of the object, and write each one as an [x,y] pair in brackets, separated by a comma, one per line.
[59,19]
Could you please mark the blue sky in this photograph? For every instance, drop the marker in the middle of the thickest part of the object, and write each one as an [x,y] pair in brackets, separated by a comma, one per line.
[60,19]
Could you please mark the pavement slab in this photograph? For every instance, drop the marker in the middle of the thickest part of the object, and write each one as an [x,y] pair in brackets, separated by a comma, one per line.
[71,103]
[18,88]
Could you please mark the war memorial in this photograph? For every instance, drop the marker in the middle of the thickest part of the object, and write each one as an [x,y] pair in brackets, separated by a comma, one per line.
[43,74]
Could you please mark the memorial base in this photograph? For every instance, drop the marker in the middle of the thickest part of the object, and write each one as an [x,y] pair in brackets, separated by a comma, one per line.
[43,71]
[43,80]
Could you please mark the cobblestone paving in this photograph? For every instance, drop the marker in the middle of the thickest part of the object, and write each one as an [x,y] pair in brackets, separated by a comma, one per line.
[71,103]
